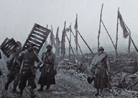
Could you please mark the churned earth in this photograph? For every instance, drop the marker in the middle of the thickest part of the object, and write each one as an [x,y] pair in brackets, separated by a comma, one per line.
[69,84]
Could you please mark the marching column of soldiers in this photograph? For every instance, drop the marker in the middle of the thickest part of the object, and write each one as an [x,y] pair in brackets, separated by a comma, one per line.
[22,70]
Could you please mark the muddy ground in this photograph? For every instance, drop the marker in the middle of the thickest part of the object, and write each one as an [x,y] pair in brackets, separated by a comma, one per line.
[69,84]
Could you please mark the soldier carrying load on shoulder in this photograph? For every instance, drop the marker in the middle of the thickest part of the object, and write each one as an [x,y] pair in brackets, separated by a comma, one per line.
[28,70]
[13,67]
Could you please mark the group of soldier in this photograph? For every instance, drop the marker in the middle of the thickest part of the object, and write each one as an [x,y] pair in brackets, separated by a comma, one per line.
[22,69]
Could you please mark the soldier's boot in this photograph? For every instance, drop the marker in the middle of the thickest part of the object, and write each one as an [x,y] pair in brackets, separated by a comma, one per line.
[41,88]
[32,93]
[7,85]
[101,92]
[47,88]
[97,92]
[14,90]
[21,92]
[14,87]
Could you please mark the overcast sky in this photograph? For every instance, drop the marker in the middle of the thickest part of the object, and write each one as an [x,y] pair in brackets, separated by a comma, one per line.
[18,17]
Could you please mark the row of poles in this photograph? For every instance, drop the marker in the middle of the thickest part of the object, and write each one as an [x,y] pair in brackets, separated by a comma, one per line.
[99,31]
[115,45]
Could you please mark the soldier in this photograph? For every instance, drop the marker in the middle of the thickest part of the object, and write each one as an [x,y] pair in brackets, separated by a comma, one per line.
[13,67]
[100,68]
[28,70]
[47,70]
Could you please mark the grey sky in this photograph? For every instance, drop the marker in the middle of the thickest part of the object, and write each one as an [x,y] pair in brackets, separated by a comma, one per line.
[18,17]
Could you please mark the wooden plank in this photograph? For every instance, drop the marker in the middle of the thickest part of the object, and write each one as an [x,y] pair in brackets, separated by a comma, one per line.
[38,34]
[39,30]
[41,27]
[45,33]
[32,38]
[35,42]
[4,42]
[37,38]
[9,53]
[8,44]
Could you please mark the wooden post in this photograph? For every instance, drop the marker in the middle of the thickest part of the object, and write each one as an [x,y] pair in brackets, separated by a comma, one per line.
[78,43]
[129,43]
[116,36]
[47,26]
[100,26]
[69,45]
[63,51]
[76,29]
[109,35]
[85,42]
[131,39]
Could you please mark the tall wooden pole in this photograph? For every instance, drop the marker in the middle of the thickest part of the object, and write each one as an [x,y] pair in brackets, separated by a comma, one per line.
[131,38]
[69,45]
[78,43]
[129,43]
[109,35]
[47,26]
[76,38]
[116,35]
[85,42]
[100,26]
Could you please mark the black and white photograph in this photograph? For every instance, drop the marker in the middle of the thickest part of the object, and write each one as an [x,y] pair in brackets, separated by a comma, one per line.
[68,49]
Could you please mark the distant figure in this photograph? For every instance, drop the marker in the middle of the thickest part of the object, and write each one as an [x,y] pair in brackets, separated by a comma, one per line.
[47,70]
[100,68]
[28,71]
[13,67]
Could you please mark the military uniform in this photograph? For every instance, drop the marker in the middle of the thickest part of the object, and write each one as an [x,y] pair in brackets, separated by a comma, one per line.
[47,70]
[99,69]
[13,66]
[28,70]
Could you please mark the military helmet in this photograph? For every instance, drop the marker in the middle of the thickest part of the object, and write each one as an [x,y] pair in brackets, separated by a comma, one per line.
[49,46]
[101,49]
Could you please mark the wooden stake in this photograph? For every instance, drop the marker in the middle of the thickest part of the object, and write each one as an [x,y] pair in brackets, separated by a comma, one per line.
[100,26]
[70,44]
[85,42]
[116,35]
[129,43]
[109,35]
[77,43]
[131,38]
[76,29]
